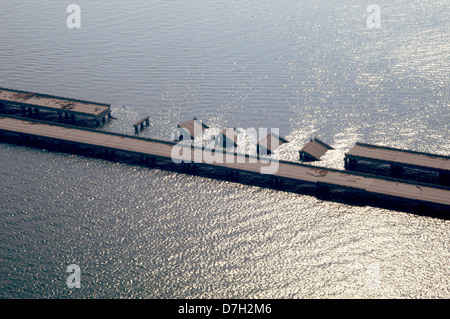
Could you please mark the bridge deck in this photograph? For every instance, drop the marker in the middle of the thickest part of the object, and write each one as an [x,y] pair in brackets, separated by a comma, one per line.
[54,103]
[389,155]
[286,170]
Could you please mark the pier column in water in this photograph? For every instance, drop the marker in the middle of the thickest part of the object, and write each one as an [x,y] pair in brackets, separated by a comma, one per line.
[276,183]
[151,161]
[234,176]
[322,191]
[444,178]
[396,170]
[350,163]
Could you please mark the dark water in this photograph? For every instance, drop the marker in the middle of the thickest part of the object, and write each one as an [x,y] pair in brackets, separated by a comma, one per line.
[309,69]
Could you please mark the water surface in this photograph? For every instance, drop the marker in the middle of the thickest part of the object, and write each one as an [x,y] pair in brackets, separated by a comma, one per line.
[308,69]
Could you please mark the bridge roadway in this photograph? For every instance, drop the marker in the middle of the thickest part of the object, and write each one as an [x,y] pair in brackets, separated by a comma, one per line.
[63,106]
[401,158]
[294,172]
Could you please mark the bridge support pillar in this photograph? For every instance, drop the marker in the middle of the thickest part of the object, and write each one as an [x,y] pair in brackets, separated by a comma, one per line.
[276,183]
[350,163]
[322,191]
[396,170]
[444,178]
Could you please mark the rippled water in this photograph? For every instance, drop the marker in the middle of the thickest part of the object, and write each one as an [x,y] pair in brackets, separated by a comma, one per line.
[309,69]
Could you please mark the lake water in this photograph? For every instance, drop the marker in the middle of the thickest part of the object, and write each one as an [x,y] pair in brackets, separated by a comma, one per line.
[310,69]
